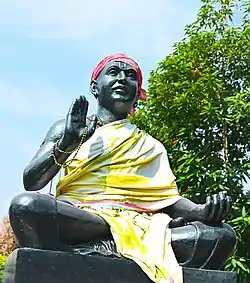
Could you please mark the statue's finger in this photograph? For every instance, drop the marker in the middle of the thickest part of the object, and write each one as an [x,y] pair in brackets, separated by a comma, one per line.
[82,102]
[209,205]
[215,207]
[75,107]
[82,97]
[228,206]
[83,109]
[208,200]
[222,206]
[226,198]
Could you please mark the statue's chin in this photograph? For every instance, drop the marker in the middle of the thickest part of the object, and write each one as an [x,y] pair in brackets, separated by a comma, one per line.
[121,107]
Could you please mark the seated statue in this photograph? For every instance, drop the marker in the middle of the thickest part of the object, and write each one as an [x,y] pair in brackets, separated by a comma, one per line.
[118,191]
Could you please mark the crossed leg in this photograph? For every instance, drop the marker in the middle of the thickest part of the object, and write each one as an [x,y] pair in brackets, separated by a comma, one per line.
[40,221]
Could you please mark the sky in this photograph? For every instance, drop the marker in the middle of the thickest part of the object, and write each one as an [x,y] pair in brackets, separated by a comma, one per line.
[47,52]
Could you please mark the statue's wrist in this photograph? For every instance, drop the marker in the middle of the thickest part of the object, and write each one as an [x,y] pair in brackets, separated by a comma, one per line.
[201,212]
[66,146]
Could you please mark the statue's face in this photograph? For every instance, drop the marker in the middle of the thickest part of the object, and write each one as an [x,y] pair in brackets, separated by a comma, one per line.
[117,87]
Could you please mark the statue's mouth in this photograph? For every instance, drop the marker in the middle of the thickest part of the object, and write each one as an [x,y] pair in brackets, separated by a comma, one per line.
[121,89]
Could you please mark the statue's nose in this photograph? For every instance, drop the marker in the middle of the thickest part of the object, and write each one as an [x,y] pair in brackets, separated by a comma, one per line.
[122,76]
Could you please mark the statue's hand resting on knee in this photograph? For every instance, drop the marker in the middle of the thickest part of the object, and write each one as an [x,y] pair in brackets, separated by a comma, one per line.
[215,210]
[217,207]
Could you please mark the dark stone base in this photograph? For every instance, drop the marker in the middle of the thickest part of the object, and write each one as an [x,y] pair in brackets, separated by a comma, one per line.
[36,266]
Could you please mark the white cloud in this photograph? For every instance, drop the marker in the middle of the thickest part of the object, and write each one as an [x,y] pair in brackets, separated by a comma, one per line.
[83,18]
[144,29]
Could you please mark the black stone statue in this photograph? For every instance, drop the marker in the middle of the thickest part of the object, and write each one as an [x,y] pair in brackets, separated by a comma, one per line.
[200,238]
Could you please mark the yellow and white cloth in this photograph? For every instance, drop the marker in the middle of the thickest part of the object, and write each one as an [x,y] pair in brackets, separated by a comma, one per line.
[123,174]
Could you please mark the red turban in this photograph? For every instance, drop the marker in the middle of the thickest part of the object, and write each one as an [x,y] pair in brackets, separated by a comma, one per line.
[124,58]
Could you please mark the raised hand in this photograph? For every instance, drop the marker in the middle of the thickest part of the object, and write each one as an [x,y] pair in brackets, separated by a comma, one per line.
[76,123]
[217,207]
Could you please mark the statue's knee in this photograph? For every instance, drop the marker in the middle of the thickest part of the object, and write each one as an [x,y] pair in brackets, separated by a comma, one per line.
[228,236]
[33,204]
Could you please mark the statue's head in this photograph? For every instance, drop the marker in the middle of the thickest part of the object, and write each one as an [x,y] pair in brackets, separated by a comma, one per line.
[116,82]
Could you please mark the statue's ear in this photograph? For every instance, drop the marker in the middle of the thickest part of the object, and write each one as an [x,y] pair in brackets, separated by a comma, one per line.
[93,89]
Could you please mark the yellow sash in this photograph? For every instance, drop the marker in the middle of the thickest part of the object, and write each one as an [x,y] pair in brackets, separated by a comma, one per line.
[124,164]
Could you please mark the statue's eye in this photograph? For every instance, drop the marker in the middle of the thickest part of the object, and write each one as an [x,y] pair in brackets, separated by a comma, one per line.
[132,75]
[112,72]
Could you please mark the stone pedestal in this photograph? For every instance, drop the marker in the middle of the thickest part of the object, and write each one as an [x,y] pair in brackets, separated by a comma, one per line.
[36,266]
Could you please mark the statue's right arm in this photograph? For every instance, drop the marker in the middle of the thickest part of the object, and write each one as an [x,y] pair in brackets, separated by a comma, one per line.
[42,168]
[68,133]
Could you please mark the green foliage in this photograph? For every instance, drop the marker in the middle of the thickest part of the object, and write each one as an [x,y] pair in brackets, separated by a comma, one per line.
[198,106]
[2,264]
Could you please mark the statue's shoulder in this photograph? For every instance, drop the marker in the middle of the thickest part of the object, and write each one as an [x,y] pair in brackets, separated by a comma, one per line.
[157,143]
[151,139]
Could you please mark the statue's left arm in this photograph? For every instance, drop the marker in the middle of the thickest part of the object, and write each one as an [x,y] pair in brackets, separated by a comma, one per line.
[216,209]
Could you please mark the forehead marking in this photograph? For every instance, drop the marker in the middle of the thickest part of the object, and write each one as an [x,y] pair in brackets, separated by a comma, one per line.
[123,65]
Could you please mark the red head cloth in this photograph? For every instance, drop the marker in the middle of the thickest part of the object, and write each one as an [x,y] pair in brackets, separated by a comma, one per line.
[124,58]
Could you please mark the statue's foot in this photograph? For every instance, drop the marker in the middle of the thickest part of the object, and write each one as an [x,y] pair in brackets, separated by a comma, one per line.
[103,247]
